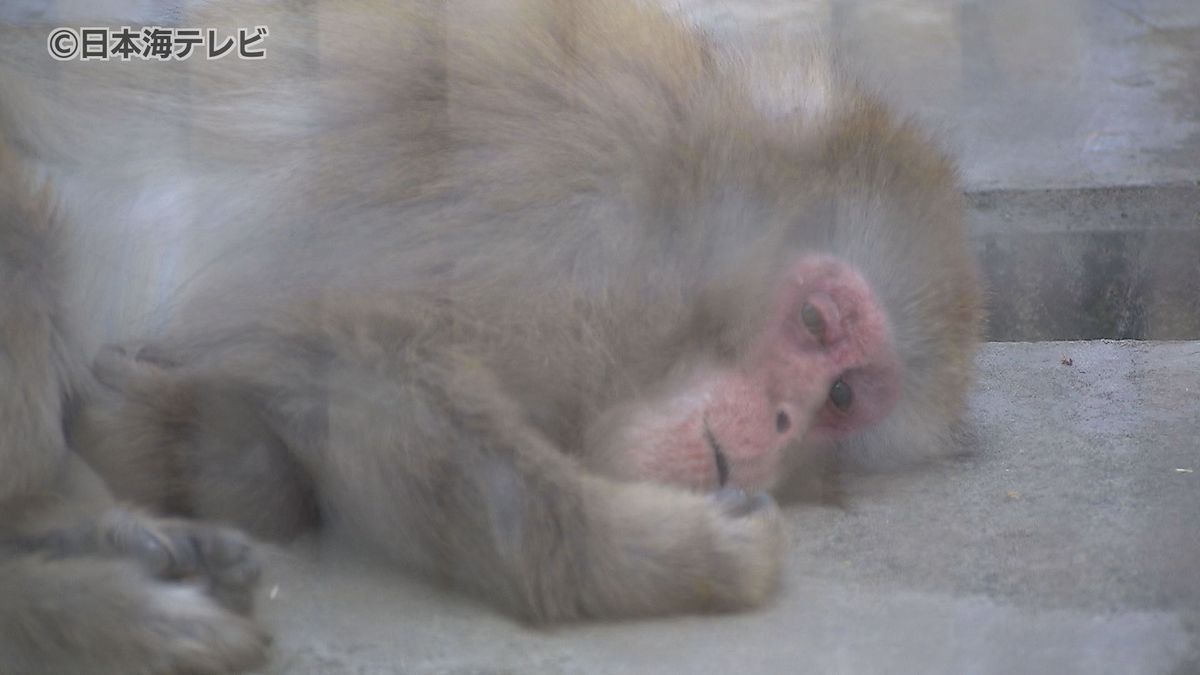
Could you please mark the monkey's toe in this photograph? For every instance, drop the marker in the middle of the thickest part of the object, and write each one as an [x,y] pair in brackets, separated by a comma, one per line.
[224,558]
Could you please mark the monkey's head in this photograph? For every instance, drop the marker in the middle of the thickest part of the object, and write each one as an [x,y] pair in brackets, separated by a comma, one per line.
[849,318]
[821,367]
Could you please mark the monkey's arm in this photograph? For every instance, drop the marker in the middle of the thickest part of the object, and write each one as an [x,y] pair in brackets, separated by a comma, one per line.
[414,447]
[434,464]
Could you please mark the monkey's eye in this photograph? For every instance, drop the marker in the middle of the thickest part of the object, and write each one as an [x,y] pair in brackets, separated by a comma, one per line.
[813,321]
[840,395]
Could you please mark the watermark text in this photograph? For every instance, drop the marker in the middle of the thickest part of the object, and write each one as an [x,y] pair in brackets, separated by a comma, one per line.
[154,43]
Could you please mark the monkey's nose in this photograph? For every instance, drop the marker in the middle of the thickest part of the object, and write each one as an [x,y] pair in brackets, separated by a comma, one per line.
[783,422]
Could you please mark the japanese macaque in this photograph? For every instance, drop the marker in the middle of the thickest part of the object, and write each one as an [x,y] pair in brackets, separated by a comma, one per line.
[537,298]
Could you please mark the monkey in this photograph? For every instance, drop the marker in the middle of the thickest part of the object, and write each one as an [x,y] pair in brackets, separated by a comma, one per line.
[540,299]
[86,585]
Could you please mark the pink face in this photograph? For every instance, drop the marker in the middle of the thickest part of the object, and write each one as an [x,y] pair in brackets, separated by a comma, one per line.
[823,368]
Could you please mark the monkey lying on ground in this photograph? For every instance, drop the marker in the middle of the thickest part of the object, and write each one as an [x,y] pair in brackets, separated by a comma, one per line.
[538,299]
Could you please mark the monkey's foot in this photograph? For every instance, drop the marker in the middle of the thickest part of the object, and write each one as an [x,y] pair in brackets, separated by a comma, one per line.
[184,630]
[104,615]
[219,559]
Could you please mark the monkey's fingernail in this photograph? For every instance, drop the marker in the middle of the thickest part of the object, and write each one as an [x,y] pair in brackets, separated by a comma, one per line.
[153,553]
[731,499]
[841,395]
[735,502]
[813,320]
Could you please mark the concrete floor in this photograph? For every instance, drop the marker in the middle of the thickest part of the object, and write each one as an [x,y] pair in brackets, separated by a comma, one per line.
[1066,541]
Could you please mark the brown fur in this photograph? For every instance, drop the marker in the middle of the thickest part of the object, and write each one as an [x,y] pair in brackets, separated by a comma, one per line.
[441,250]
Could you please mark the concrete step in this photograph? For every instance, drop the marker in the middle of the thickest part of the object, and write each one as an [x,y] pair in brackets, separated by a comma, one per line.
[1075,264]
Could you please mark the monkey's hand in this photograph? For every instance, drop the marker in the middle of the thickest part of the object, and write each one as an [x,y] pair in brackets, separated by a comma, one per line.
[750,540]
[678,551]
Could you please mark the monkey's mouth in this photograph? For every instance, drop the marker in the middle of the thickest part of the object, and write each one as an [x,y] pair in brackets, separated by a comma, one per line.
[718,455]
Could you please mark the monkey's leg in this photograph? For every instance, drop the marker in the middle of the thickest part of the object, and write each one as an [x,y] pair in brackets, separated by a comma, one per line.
[219,560]
[90,615]
[120,592]
[159,443]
